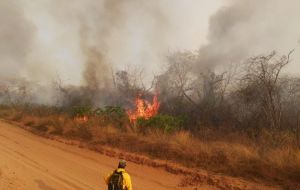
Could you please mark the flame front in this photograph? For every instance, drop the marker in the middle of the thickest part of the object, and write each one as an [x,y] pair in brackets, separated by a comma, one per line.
[144,109]
[81,119]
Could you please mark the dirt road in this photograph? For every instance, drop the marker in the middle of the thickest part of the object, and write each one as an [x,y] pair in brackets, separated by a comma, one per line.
[30,162]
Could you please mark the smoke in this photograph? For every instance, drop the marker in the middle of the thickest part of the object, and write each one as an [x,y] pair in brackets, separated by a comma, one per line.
[16,38]
[112,38]
[85,42]
[124,32]
[245,28]
[133,32]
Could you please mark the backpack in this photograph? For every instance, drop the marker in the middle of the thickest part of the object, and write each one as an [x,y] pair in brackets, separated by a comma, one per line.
[116,181]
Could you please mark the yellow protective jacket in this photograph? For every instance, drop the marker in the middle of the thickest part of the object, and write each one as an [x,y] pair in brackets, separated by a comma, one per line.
[126,179]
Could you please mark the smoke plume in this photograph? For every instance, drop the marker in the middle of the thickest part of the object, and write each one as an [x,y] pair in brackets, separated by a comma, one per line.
[245,28]
[86,42]
[16,38]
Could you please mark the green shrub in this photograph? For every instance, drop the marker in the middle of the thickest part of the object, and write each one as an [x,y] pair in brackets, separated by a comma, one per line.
[166,123]
[114,115]
[111,110]
[81,111]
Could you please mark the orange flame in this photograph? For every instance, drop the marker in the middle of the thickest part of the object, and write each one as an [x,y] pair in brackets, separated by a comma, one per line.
[81,119]
[144,109]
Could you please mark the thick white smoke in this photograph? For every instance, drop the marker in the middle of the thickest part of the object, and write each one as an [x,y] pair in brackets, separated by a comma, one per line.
[250,27]
[126,32]
[16,38]
[83,41]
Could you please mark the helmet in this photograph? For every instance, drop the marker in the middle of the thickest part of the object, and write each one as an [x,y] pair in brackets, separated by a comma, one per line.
[122,164]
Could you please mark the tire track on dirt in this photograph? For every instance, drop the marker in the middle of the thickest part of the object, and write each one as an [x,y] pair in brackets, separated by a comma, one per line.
[33,165]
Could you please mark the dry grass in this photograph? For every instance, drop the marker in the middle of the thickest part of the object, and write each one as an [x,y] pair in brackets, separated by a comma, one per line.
[233,154]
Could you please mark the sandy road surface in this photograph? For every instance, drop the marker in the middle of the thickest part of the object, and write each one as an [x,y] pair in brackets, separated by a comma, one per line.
[29,162]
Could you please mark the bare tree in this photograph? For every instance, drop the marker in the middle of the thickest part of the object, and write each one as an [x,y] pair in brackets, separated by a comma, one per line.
[175,86]
[262,82]
[183,91]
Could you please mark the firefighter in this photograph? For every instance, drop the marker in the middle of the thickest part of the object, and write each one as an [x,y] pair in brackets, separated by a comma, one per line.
[119,179]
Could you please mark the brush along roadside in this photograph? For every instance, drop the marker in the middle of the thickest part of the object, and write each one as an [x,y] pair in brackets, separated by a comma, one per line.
[235,156]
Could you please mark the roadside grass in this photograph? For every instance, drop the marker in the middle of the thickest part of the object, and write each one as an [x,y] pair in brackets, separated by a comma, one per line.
[271,157]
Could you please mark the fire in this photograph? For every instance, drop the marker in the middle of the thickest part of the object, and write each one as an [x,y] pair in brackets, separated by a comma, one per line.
[144,109]
[81,119]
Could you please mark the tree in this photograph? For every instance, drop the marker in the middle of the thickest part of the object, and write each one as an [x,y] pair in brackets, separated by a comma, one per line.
[262,84]
[199,95]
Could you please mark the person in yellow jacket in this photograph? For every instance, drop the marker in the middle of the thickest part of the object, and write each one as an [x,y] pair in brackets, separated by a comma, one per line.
[119,179]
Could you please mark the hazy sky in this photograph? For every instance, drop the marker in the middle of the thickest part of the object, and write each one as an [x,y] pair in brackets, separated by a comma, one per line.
[41,39]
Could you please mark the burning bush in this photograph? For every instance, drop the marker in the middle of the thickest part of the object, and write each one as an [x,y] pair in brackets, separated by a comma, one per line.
[144,109]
